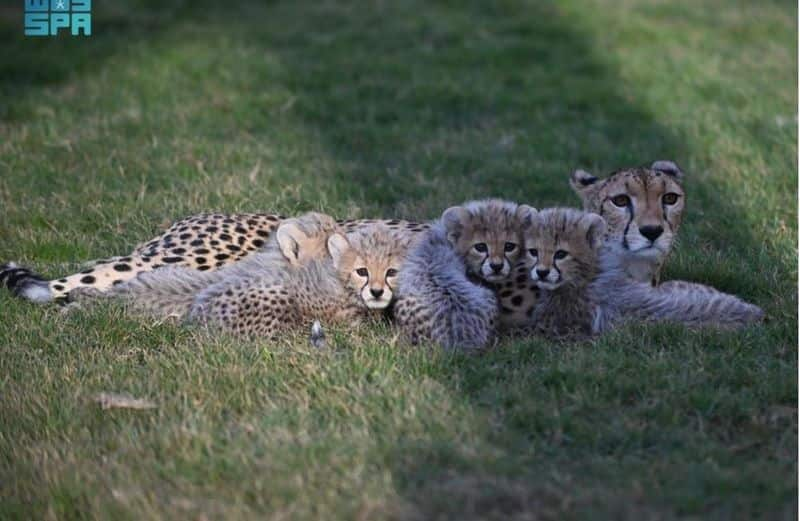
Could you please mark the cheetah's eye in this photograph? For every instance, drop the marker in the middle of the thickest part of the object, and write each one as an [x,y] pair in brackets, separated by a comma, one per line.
[670,198]
[560,254]
[621,200]
[509,247]
[534,252]
[362,272]
[391,272]
[481,247]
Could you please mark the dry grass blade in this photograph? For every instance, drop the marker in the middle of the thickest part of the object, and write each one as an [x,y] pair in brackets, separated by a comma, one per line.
[122,401]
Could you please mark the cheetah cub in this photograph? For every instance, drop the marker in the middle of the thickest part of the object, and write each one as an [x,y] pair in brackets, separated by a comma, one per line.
[586,290]
[354,279]
[447,286]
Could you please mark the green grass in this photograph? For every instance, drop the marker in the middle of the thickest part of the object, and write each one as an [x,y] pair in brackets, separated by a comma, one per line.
[397,109]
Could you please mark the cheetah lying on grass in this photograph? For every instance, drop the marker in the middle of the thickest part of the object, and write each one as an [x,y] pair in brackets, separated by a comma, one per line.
[204,242]
[585,289]
[311,269]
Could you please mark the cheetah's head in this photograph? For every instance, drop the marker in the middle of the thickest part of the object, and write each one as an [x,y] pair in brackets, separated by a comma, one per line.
[562,247]
[642,207]
[488,235]
[368,261]
[303,239]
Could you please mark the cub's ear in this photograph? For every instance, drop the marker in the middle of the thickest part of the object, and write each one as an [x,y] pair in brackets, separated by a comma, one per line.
[668,167]
[337,247]
[455,219]
[526,214]
[291,239]
[594,227]
[583,183]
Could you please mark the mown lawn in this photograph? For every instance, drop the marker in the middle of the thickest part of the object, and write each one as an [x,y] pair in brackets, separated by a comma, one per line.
[397,109]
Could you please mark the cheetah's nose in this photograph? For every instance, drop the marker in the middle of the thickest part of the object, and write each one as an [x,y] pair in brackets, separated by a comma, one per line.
[542,273]
[376,292]
[496,267]
[651,232]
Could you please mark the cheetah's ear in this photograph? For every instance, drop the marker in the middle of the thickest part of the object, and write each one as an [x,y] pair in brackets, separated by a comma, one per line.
[584,184]
[455,219]
[290,239]
[337,247]
[668,167]
[594,227]
[526,215]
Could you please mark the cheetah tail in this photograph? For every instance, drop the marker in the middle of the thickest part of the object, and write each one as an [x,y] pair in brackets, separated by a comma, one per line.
[24,283]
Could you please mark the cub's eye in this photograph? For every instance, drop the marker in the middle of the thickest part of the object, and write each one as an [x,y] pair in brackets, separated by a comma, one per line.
[534,252]
[670,198]
[510,246]
[391,272]
[621,200]
[560,254]
[362,272]
[481,247]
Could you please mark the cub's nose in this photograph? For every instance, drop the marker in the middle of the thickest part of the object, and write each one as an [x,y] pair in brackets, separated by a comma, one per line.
[651,232]
[376,292]
[542,273]
[496,267]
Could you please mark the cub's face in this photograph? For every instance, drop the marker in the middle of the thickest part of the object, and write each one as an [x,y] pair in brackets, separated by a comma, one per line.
[562,246]
[488,235]
[368,261]
[642,207]
[374,279]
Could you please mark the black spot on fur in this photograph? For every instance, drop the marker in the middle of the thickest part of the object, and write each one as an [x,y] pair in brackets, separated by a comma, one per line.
[262,233]
[63,281]
[117,282]
[201,251]
[172,260]
[179,251]
[522,278]
[58,287]
[240,229]
[122,267]
[200,260]
[225,237]
[204,268]
[517,301]
[258,243]
[233,247]
[88,271]
[88,279]
[196,242]
[185,236]
[242,240]
[221,256]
